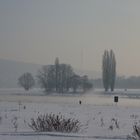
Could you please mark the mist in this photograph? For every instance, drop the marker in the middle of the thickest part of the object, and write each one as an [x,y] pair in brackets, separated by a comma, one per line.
[77,32]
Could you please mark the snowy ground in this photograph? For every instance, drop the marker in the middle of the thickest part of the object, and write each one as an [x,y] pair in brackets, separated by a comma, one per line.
[100,121]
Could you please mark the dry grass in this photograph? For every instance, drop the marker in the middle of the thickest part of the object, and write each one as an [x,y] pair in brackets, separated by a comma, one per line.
[55,123]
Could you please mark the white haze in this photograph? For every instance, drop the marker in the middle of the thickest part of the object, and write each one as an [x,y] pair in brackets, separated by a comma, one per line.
[75,31]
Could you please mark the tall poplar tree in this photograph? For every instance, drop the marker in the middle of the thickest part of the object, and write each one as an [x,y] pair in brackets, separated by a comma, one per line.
[109,70]
[105,70]
[112,70]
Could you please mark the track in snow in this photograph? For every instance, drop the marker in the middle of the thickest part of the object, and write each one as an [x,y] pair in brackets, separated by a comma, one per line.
[61,135]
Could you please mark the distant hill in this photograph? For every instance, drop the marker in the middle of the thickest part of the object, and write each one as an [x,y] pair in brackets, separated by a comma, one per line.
[10,71]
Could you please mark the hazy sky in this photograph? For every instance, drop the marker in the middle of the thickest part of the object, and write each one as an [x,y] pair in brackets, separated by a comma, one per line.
[39,30]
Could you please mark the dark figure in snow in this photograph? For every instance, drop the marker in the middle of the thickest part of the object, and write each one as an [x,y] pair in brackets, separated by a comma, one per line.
[80,102]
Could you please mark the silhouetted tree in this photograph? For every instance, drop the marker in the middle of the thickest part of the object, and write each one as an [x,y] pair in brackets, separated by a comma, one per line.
[26,81]
[109,70]
[57,73]
[43,77]
[61,78]
[46,78]
[51,78]
[112,70]
[65,73]
[85,83]
[75,82]
[69,74]
[55,77]
[106,70]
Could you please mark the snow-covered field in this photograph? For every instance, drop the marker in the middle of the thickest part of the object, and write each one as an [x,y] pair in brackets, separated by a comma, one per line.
[100,117]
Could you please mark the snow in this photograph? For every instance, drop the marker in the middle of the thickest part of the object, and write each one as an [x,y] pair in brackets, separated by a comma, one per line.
[97,118]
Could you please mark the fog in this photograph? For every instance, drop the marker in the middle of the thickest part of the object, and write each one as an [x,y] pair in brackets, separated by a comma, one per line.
[77,32]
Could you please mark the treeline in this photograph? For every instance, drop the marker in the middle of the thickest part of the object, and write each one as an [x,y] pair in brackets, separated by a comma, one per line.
[132,82]
[59,78]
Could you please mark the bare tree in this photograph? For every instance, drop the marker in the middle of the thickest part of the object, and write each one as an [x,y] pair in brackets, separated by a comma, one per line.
[85,83]
[65,74]
[57,73]
[60,78]
[55,77]
[26,81]
[46,76]
[75,82]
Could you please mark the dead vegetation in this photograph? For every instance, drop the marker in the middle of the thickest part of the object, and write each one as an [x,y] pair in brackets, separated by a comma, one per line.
[55,123]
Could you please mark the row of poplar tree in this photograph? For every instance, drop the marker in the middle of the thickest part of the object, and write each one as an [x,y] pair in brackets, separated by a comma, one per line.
[109,70]
[58,78]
